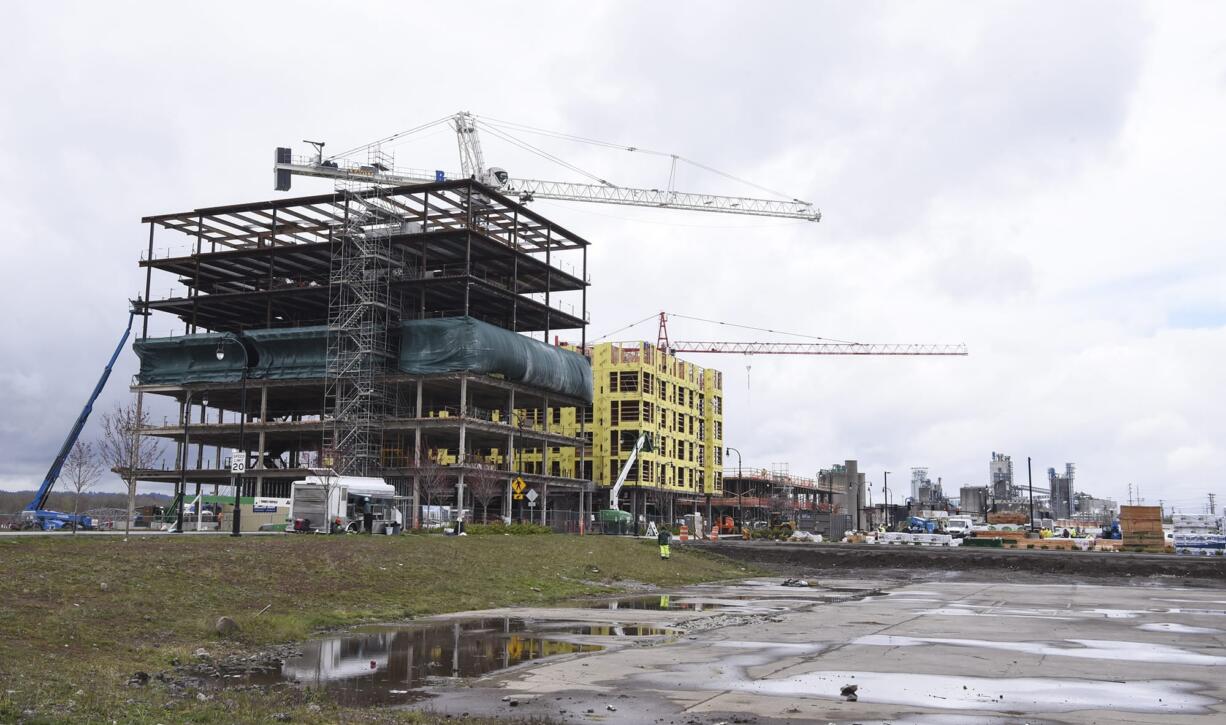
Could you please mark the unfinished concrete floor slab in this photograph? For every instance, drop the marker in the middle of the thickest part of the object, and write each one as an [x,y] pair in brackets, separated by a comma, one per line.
[929,652]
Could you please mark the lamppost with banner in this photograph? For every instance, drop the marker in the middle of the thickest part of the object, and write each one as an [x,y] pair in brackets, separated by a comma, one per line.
[238,461]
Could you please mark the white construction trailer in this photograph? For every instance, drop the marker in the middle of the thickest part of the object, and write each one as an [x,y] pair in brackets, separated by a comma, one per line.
[345,501]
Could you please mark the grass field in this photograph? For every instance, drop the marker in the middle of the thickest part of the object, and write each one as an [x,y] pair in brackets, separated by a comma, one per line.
[78,616]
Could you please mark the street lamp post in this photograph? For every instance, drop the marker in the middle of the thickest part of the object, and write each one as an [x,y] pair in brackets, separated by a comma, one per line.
[740,483]
[182,492]
[1030,484]
[885,493]
[241,468]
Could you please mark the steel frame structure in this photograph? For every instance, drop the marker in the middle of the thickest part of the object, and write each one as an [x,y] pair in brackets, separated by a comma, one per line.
[359,260]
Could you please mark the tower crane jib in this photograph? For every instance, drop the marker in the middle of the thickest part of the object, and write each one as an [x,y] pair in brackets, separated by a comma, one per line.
[472,166]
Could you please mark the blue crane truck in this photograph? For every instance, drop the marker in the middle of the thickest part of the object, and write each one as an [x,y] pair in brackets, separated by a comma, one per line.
[35,515]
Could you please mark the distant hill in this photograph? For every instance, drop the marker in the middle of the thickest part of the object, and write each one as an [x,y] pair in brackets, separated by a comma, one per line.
[12,502]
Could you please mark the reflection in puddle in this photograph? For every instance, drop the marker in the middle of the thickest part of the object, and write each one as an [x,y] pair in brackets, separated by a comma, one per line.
[670,602]
[386,665]
[714,603]
[660,602]
[603,630]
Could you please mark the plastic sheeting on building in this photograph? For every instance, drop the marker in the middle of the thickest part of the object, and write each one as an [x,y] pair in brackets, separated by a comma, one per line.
[463,344]
[189,359]
[454,344]
[289,353]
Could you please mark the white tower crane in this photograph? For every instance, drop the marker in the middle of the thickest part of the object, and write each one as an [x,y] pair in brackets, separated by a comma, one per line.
[472,165]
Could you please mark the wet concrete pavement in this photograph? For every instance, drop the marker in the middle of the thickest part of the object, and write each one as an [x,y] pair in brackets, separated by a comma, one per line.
[931,652]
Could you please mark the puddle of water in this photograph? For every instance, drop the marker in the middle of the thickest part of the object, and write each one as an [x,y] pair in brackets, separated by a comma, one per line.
[1177,628]
[673,602]
[1117,613]
[955,609]
[1213,612]
[602,630]
[963,612]
[788,647]
[859,590]
[390,665]
[1096,649]
[659,602]
[1022,694]
[943,692]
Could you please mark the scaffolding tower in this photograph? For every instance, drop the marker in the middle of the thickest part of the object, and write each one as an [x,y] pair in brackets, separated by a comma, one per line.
[362,312]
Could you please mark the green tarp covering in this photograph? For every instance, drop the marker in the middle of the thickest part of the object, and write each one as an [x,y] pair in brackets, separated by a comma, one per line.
[459,344]
[453,344]
[188,359]
[289,353]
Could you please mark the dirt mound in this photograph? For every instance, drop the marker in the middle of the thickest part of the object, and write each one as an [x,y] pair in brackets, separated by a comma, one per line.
[1089,565]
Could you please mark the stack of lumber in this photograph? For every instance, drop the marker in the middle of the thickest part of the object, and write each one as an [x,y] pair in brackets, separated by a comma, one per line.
[1010,537]
[1141,528]
[1008,517]
[1053,543]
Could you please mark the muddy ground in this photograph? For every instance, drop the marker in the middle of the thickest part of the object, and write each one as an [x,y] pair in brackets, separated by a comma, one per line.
[789,558]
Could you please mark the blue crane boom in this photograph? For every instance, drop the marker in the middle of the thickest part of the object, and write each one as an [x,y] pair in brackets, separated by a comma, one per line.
[36,507]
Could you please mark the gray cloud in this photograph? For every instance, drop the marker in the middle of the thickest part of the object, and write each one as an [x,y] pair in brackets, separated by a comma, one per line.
[1002,174]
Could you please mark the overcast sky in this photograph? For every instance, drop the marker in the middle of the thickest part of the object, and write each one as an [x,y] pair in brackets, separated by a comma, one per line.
[1042,181]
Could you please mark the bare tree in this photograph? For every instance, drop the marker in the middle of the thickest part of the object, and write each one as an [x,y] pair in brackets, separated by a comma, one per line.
[125,450]
[81,471]
[328,481]
[783,505]
[435,482]
[485,483]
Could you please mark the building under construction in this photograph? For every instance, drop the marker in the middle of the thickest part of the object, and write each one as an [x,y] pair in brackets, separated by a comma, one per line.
[639,388]
[775,495]
[372,332]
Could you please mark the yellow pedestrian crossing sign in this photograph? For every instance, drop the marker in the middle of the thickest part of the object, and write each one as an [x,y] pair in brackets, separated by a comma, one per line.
[518,485]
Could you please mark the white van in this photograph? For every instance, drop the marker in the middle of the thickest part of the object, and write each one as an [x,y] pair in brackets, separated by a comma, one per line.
[959,526]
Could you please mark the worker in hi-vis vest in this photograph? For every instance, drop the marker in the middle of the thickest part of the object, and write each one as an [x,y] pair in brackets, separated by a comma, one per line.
[663,540]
